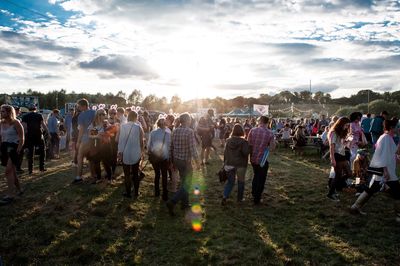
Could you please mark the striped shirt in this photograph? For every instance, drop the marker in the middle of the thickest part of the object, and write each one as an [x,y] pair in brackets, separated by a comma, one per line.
[183,146]
[259,139]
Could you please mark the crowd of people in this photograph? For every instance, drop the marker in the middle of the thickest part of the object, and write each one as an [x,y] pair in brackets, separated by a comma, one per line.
[107,138]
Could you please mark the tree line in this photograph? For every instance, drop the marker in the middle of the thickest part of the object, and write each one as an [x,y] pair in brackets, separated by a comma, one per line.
[58,98]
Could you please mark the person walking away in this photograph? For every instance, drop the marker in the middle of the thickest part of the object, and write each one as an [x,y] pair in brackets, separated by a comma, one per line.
[236,156]
[12,141]
[52,125]
[260,140]
[130,152]
[85,118]
[385,157]
[158,147]
[34,126]
[183,150]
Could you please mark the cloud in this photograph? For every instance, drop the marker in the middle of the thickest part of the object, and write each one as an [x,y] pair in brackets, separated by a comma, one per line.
[47,76]
[378,64]
[34,43]
[121,66]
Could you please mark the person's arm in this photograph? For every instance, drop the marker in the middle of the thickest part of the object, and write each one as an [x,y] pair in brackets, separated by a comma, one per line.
[44,126]
[271,145]
[141,135]
[332,154]
[21,135]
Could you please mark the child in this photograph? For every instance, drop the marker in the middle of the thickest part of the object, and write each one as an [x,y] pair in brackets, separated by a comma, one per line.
[360,165]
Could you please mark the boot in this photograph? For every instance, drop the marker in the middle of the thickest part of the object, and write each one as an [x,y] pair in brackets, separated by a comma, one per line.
[397,210]
[240,191]
[360,202]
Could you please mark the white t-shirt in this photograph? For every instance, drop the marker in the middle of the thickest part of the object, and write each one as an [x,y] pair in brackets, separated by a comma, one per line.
[129,143]
[385,156]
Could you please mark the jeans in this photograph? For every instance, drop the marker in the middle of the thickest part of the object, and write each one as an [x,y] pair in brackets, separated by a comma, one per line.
[161,169]
[54,145]
[185,172]
[260,176]
[132,172]
[31,144]
[240,172]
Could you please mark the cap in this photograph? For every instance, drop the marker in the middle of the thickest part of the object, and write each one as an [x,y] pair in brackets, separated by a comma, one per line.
[31,107]
[363,152]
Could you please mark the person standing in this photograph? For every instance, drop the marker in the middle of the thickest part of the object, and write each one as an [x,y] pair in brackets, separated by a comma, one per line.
[85,118]
[34,125]
[100,151]
[236,156]
[183,150]
[376,128]
[68,126]
[52,125]
[339,159]
[130,152]
[366,127]
[12,141]
[260,139]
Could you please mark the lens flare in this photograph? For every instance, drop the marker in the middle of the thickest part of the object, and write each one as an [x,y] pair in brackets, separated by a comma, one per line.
[196,209]
[196,225]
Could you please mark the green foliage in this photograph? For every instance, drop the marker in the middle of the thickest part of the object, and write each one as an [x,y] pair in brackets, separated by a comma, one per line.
[378,106]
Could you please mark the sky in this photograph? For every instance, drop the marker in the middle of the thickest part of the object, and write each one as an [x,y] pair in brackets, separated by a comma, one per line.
[200,49]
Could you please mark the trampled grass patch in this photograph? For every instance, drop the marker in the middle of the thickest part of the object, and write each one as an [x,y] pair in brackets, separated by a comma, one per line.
[55,222]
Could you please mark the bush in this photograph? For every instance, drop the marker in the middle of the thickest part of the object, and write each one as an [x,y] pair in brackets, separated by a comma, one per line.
[377,106]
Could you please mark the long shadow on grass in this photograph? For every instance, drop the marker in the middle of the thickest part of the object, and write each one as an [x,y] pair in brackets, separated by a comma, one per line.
[307,229]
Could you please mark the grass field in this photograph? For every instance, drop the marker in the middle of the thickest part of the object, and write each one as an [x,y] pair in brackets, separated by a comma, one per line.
[57,223]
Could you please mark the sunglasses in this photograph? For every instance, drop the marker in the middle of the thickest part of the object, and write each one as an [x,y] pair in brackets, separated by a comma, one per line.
[102,114]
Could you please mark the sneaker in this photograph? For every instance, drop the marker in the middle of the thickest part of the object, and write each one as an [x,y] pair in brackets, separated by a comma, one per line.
[77,180]
[223,202]
[6,200]
[170,207]
[127,195]
[333,198]
[20,171]
[357,211]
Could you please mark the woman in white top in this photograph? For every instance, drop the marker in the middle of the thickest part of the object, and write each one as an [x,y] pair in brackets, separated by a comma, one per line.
[12,141]
[158,147]
[339,159]
[385,157]
[130,151]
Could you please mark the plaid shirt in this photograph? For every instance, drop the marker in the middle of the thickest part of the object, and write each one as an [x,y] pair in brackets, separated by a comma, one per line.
[183,145]
[259,139]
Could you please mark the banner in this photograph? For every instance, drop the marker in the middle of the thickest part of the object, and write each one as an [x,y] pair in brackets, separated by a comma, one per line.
[22,101]
[262,109]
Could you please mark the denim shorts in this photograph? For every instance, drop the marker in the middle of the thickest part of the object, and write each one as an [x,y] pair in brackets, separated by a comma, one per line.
[9,151]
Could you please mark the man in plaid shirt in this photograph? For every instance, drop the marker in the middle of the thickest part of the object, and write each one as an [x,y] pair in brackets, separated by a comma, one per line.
[183,150]
[260,138]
